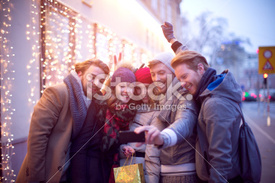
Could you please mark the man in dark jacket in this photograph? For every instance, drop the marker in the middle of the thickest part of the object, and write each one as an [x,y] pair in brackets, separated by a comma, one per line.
[218,97]
[219,119]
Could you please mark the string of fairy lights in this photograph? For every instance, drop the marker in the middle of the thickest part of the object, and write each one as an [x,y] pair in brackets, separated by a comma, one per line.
[32,33]
[59,44]
[7,111]
[66,30]
[68,38]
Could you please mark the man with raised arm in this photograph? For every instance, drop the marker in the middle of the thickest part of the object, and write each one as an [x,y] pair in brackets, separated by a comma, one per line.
[218,97]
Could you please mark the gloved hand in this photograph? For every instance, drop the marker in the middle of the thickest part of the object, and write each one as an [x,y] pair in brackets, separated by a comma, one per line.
[167,30]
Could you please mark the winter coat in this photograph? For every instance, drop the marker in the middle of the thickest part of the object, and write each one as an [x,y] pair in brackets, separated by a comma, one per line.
[184,116]
[218,130]
[142,118]
[219,120]
[49,137]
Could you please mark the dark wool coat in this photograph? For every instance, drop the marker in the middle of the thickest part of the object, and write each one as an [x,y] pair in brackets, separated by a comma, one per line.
[87,157]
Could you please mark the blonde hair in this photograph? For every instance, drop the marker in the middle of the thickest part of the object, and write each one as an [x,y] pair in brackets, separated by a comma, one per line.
[190,58]
[153,63]
[127,65]
[83,66]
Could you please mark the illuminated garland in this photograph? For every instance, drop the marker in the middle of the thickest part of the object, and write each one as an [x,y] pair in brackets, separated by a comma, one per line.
[103,43]
[83,32]
[7,79]
[59,44]
[32,31]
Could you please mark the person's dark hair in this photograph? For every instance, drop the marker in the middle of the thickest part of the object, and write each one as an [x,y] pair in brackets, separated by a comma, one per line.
[190,58]
[83,66]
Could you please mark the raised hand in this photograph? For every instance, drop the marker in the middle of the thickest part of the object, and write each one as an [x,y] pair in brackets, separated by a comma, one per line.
[167,30]
[117,60]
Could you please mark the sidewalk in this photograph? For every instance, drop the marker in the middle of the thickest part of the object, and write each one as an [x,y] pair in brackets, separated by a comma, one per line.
[264,135]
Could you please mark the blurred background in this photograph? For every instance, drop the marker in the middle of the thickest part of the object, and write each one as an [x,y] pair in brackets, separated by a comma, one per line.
[42,39]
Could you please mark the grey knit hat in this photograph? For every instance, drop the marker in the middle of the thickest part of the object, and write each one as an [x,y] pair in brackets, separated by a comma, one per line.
[165,58]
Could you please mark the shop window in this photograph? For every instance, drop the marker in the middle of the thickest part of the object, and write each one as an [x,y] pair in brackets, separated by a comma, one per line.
[57,42]
[107,46]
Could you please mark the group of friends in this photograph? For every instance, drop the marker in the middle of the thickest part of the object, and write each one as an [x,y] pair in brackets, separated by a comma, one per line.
[188,113]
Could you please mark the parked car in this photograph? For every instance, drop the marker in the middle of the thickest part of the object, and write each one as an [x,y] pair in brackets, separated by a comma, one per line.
[249,97]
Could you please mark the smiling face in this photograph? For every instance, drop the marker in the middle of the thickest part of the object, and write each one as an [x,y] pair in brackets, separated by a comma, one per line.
[122,92]
[160,73]
[189,78]
[88,80]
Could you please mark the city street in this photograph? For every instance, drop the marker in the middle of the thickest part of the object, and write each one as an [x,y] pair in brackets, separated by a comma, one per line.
[56,55]
[256,116]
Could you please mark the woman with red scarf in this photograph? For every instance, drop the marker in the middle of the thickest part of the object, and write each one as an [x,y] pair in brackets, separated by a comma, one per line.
[118,116]
[96,148]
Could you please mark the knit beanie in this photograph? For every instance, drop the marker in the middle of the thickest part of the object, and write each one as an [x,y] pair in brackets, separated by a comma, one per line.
[125,75]
[143,75]
[165,58]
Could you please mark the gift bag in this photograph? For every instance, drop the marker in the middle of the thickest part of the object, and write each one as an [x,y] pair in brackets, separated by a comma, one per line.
[131,173]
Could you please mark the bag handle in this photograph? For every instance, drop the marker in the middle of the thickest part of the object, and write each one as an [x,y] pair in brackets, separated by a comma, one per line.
[241,112]
[128,158]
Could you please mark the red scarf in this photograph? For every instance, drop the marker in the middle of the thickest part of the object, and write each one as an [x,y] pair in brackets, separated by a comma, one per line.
[116,120]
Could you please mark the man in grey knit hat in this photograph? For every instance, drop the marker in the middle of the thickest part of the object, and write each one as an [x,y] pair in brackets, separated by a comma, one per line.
[175,163]
[161,69]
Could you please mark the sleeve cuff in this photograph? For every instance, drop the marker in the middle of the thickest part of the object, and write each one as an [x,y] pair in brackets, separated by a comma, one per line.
[169,138]
[175,46]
